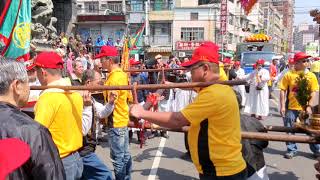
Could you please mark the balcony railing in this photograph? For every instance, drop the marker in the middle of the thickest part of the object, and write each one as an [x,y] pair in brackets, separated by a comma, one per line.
[135,7]
[161,6]
[160,40]
[99,11]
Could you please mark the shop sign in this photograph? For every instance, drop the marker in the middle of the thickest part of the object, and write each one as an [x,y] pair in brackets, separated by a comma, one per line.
[187,45]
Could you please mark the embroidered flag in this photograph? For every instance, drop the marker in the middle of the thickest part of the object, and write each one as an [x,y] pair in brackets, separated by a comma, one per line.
[15,29]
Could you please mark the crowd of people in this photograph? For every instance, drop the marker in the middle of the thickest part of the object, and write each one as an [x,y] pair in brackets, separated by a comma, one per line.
[62,127]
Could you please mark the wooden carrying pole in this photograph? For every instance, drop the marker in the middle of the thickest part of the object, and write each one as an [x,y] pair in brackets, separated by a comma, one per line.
[151,70]
[144,86]
[252,135]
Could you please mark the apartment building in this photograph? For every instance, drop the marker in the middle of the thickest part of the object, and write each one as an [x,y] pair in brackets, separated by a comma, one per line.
[100,18]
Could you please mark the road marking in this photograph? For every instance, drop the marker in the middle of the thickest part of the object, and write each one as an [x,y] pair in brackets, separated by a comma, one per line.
[156,161]
[275,102]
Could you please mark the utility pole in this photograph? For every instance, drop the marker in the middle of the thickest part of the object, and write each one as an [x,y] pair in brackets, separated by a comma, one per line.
[147,26]
[126,17]
[147,19]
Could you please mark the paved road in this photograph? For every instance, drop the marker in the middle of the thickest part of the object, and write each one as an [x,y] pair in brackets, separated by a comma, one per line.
[167,162]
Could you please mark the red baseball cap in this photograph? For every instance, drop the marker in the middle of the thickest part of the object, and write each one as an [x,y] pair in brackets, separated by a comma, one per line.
[299,56]
[260,61]
[133,62]
[13,154]
[291,61]
[226,61]
[107,51]
[207,52]
[50,60]
[254,66]
[237,63]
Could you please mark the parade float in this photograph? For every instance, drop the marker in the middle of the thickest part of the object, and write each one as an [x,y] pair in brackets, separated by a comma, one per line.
[256,46]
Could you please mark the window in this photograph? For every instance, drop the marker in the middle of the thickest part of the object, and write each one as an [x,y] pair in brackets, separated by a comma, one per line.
[115,6]
[137,5]
[92,7]
[235,39]
[160,29]
[265,24]
[201,2]
[229,38]
[194,16]
[104,6]
[265,13]
[230,19]
[192,34]
[160,5]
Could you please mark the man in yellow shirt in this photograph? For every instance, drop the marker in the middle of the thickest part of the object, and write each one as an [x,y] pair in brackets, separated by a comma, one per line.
[61,112]
[315,67]
[119,119]
[291,111]
[214,119]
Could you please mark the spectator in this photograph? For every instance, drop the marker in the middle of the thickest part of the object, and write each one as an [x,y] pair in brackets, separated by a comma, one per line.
[64,39]
[118,44]
[240,88]
[76,76]
[273,74]
[44,162]
[99,43]
[89,45]
[71,45]
[257,103]
[110,42]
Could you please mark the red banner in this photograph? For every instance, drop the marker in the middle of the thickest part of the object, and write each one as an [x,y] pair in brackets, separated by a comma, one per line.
[223,16]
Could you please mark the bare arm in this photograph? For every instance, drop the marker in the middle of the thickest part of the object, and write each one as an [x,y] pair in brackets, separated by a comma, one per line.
[165,119]
[309,109]
[282,102]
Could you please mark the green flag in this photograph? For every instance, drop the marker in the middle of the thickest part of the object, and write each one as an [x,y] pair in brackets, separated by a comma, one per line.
[15,29]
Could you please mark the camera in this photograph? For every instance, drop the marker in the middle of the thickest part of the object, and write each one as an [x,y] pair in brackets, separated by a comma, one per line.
[176,78]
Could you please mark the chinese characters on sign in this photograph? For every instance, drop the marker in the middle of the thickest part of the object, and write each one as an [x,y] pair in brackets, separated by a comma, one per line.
[187,45]
[223,16]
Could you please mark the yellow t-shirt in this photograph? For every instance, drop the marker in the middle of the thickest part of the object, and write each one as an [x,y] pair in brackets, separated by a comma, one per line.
[61,113]
[315,66]
[223,75]
[288,82]
[120,116]
[214,135]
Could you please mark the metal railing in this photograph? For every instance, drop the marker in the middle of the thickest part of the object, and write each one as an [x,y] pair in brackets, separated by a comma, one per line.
[161,6]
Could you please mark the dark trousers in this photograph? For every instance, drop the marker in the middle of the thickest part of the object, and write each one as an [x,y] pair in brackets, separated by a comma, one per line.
[186,144]
[239,176]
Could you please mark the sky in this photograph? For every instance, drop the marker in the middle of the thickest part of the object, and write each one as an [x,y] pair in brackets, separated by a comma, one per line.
[302,8]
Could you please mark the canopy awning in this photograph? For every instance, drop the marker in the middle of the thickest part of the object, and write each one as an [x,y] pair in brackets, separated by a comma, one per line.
[159,49]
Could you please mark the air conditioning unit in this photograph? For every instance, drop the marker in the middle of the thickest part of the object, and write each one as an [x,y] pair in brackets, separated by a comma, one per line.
[182,54]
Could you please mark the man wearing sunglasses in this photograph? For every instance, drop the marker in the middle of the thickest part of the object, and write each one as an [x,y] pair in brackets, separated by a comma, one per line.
[290,113]
[213,117]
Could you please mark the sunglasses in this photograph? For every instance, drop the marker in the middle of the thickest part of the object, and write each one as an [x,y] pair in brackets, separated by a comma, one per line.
[195,67]
[304,61]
